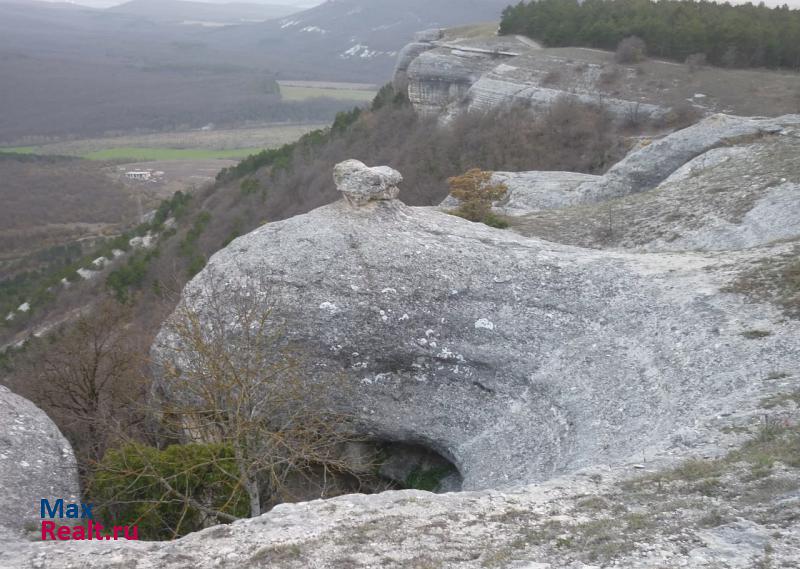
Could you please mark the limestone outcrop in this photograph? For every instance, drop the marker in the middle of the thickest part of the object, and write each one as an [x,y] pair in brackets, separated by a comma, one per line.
[36,462]
[520,361]
[514,358]
[360,184]
[444,76]
[448,72]
[655,162]
[725,183]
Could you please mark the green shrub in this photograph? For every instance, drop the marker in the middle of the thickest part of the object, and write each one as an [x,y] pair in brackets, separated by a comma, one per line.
[477,193]
[131,487]
[427,479]
[131,274]
[389,96]
[196,264]
[249,186]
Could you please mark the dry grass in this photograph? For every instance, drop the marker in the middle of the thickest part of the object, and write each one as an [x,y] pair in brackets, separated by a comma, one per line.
[475,31]
[774,279]
[747,92]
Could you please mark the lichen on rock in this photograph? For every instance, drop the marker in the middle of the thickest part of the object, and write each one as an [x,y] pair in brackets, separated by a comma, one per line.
[36,462]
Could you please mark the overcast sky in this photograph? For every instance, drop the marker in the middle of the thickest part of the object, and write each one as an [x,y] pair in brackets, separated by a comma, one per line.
[108,3]
[309,3]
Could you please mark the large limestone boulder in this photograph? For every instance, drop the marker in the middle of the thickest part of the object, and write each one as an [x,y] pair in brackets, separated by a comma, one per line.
[726,183]
[649,166]
[514,358]
[36,462]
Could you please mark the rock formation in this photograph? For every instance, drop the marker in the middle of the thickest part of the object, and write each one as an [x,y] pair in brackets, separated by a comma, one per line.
[36,462]
[360,184]
[448,72]
[725,183]
[520,361]
[514,358]
[445,76]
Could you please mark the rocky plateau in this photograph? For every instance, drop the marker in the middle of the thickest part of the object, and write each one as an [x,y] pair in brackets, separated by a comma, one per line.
[615,378]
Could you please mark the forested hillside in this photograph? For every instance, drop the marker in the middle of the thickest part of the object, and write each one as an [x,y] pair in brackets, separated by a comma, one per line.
[731,36]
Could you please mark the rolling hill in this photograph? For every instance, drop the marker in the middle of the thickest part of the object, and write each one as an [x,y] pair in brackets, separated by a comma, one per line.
[350,40]
[76,71]
[202,13]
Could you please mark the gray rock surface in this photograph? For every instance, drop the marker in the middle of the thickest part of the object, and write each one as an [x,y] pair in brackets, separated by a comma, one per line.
[408,54]
[361,184]
[514,358]
[440,77]
[519,360]
[431,35]
[646,168]
[448,77]
[520,81]
[727,183]
[593,518]
[529,192]
[36,462]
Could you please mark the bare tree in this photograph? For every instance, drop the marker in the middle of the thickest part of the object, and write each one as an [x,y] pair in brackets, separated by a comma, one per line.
[88,378]
[231,377]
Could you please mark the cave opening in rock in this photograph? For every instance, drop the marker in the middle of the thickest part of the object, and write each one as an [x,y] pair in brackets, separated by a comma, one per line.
[373,467]
[417,467]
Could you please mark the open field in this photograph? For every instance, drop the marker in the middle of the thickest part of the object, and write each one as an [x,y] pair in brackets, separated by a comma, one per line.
[188,145]
[19,149]
[305,90]
[149,154]
[51,201]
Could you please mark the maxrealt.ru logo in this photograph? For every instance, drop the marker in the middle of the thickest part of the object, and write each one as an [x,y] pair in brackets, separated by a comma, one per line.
[78,511]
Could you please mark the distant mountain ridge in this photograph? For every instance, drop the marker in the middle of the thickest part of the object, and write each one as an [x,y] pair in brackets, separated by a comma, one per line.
[180,11]
[355,40]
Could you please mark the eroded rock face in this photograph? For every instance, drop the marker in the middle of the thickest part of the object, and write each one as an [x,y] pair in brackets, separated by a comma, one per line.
[646,168]
[447,76]
[514,358]
[726,183]
[36,462]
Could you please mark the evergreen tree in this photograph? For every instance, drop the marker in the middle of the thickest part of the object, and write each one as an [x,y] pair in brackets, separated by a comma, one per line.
[732,36]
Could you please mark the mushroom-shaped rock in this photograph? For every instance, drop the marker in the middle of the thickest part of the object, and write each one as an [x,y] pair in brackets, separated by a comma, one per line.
[361,184]
[36,462]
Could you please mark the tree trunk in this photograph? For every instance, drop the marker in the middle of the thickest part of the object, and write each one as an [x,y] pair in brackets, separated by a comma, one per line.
[249,481]
[255,498]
